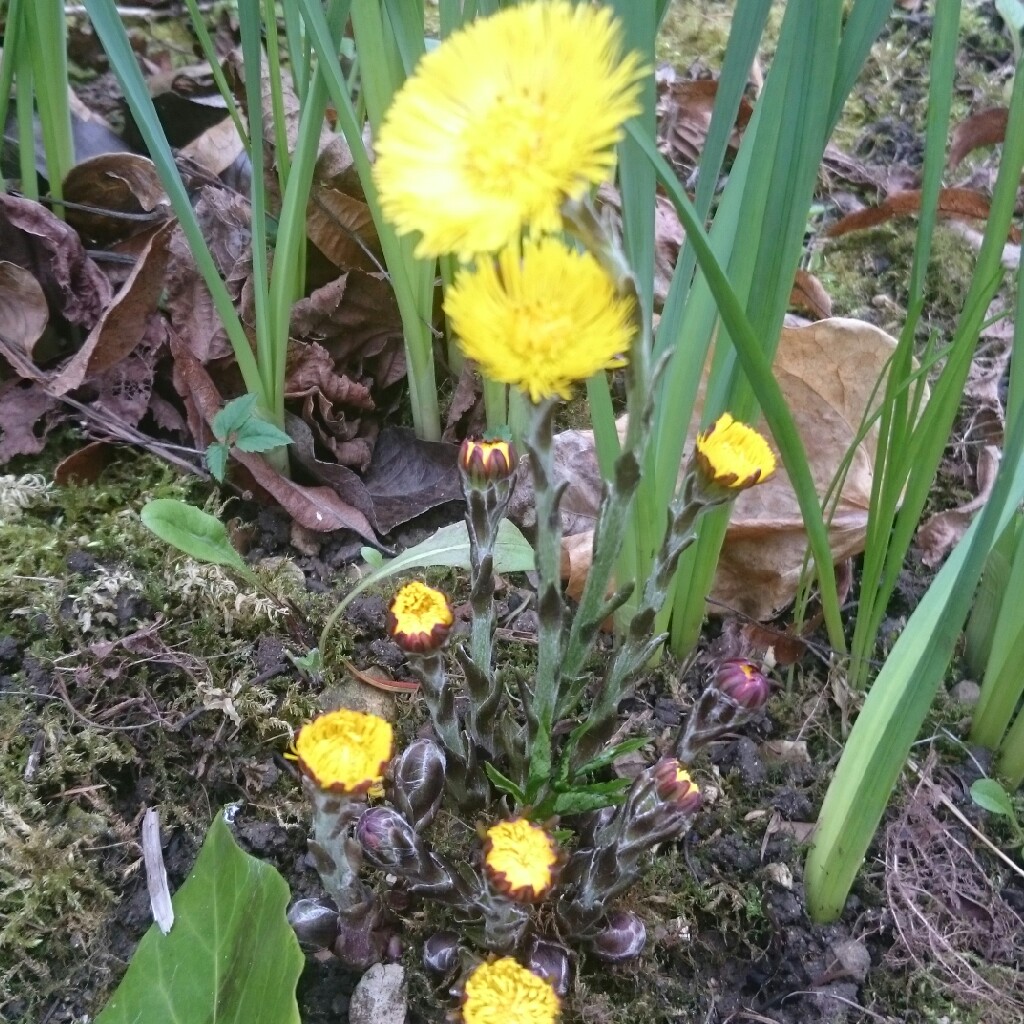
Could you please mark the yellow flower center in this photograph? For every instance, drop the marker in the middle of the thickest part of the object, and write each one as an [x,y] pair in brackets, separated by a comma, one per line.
[520,858]
[419,617]
[504,121]
[504,992]
[731,454]
[540,321]
[345,751]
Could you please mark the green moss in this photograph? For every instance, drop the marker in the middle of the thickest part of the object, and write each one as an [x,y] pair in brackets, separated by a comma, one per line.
[867,274]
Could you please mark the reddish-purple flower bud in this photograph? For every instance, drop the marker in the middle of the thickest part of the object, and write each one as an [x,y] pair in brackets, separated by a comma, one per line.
[551,961]
[485,462]
[674,785]
[623,938]
[743,683]
[441,952]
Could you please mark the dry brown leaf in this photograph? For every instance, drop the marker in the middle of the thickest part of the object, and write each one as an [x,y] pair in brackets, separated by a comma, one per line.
[125,320]
[120,183]
[940,532]
[217,148]
[27,414]
[827,372]
[986,128]
[316,508]
[809,296]
[684,117]
[958,203]
[33,238]
[23,312]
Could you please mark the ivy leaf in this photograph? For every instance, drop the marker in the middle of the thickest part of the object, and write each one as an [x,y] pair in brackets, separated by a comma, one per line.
[231,955]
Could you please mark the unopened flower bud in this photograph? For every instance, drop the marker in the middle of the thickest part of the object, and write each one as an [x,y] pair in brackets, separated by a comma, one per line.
[314,922]
[551,961]
[419,618]
[486,462]
[418,783]
[674,785]
[742,682]
[622,938]
[386,837]
[441,952]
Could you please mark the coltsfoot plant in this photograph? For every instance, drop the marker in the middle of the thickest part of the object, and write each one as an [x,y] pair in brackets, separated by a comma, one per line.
[544,299]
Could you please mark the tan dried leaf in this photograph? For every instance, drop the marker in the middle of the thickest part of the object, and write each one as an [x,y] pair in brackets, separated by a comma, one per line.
[827,372]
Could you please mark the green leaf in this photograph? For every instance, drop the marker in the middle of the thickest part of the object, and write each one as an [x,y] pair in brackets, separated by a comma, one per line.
[371,556]
[233,416]
[193,531]
[449,546]
[606,757]
[990,795]
[217,460]
[590,799]
[504,784]
[231,956]
[257,435]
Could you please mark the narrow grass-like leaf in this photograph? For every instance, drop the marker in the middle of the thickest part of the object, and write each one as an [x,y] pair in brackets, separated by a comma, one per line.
[899,411]
[894,711]
[755,364]
[231,955]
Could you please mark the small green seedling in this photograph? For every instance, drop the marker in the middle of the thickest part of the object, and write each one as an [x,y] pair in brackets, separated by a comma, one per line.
[992,797]
[239,425]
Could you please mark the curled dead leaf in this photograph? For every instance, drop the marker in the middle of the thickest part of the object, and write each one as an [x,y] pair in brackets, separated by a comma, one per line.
[956,203]
[986,128]
[23,312]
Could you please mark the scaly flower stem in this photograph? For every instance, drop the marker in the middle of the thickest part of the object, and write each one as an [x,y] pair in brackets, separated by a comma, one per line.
[550,606]
[439,697]
[334,848]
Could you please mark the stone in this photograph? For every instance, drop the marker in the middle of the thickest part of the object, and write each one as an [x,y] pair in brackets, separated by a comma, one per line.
[380,997]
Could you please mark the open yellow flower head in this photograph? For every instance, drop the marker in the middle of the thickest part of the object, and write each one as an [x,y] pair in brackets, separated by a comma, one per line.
[541,322]
[520,859]
[503,992]
[345,751]
[504,121]
[730,454]
[419,618]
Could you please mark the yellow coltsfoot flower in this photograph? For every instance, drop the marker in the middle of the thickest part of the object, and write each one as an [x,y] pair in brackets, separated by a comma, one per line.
[520,859]
[504,991]
[419,618]
[540,322]
[505,120]
[732,455]
[345,751]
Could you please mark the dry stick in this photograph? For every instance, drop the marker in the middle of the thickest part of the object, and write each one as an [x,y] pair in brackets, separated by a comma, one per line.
[948,804]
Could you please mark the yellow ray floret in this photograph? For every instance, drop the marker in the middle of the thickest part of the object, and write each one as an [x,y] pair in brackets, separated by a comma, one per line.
[520,858]
[419,618]
[504,121]
[345,751]
[731,454]
[541,322]
[503,992]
